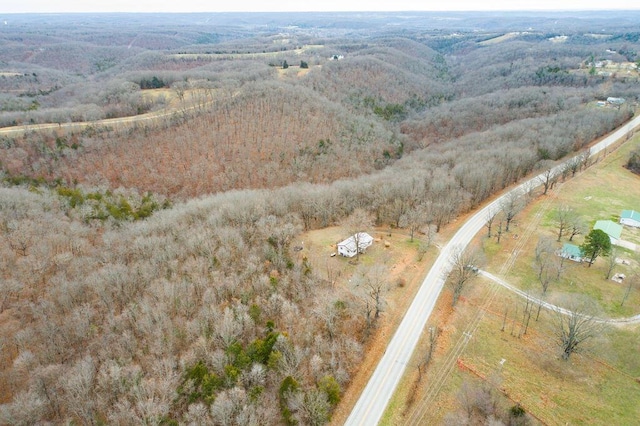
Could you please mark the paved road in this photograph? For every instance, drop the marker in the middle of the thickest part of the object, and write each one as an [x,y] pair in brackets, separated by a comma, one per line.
[382,384]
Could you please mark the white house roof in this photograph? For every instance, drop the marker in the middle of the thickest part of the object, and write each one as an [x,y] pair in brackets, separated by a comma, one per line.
[364,241]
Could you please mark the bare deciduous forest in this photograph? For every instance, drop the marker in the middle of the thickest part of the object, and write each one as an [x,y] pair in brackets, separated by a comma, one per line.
[147,268]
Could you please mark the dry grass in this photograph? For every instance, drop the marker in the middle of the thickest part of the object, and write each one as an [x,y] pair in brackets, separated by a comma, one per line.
[597,386]
[406,274]
[499,39]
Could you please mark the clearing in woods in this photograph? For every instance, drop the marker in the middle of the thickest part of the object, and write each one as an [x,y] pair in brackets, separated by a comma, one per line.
[392,248]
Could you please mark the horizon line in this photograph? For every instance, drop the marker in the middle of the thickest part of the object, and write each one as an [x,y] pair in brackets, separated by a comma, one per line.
[322,11]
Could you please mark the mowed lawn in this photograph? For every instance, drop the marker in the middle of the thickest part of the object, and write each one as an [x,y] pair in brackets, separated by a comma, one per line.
[600,385]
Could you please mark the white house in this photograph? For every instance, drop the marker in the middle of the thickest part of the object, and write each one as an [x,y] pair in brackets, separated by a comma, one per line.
[347,248]
[630,218]
[615,101]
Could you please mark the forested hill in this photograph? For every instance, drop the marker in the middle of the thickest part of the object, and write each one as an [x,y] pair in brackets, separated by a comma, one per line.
[147,265]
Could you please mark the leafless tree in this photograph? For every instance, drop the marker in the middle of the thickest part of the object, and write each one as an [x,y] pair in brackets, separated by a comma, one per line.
[548,178]
[414,219]
[78,385]
[9,289]
[633,282]
[490,219]
[278,233]
[544,262]
[434,332]
[357,222]
[464,267]
[526,316]
[478,403]
[228,407]
[315,407]
[510,207]
[576,226]
[585,158]
[499,232]
[612,261]
[370,286]
[577,326]
[563,216]
[180,87]
[573,165]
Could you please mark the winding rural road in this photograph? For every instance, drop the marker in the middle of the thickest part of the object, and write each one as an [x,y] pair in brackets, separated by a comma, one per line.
[376,395]
[615,321]
[106,122]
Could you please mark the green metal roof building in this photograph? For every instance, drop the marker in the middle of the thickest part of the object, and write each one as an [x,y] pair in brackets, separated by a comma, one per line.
[630,218]
[612,229]
[571,252]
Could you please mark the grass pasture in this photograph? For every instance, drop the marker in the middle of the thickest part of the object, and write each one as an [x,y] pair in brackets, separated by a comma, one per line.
[499,39]
[601,192]
[591,388]
[600,385]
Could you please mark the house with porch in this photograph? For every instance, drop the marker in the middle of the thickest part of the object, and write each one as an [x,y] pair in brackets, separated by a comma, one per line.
[571,252]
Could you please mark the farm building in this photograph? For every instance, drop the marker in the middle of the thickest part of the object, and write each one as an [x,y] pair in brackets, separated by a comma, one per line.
[612,229]
[615,101]
[347,248]
[630,218]
[571,252]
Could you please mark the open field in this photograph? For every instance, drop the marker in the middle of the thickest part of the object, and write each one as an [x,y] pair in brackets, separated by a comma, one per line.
[499,39]
[596,386]
[241,55]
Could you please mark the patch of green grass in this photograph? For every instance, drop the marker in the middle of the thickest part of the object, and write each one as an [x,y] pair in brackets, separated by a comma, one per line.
[490,247]
[604,190]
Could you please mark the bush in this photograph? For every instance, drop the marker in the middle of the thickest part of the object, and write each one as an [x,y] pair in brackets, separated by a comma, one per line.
[634,162]
[330,386]
[289,385]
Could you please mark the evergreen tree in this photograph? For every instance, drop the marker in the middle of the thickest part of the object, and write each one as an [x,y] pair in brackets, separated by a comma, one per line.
[596,243]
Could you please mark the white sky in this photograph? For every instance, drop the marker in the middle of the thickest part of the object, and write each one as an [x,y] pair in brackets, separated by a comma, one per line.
[53,6]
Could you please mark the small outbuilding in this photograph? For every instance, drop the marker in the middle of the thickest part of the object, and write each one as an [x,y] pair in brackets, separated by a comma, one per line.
[630,218]
[347,248]
[612,229]
[571,252]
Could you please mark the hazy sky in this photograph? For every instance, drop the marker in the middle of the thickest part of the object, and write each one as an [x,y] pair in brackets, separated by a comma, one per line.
[46,6]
